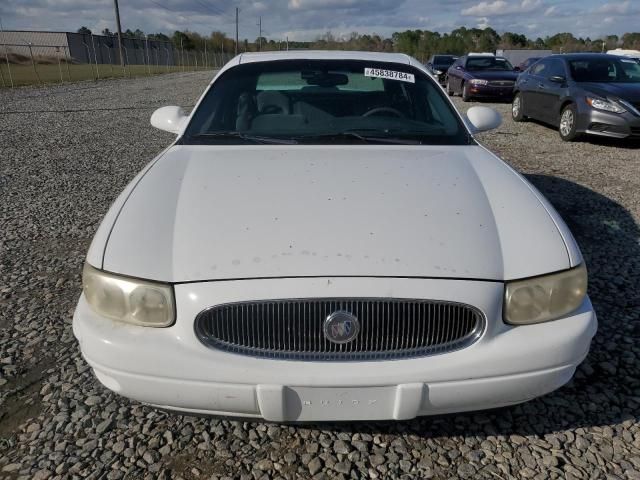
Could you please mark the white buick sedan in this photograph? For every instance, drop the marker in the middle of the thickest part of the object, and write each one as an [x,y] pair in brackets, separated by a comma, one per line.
[326,240]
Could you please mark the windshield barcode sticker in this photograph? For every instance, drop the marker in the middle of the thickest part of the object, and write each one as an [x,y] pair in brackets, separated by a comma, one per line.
[389,74]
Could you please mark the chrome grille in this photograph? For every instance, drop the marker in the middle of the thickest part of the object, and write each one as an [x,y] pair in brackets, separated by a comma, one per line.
[293,329]
[501,83]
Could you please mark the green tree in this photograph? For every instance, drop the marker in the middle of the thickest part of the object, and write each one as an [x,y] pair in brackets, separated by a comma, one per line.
[631,40]
[159,36]
[182,40]
[84,30]
[513,40]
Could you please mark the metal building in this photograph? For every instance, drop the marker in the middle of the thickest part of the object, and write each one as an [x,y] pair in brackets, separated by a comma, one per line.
[87,48]
[516,57]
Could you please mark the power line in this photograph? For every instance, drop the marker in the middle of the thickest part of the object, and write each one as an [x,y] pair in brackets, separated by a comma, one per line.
[162,6]
[212,13]
[214,8]
[218,12]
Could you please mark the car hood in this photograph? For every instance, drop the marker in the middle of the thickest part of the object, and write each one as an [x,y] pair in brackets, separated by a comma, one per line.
[212,213]
[625,91]
[492,75]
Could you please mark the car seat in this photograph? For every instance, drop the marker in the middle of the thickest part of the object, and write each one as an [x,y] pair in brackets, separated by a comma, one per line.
[270,102]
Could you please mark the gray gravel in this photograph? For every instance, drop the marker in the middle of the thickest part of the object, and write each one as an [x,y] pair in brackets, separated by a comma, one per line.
[59,171]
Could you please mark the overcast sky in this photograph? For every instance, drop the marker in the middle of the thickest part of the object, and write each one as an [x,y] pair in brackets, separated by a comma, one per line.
[306,19]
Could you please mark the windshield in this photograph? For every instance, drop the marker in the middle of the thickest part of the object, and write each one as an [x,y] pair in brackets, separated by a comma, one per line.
[320,101]
[488,63]
[444,60]
[605,70]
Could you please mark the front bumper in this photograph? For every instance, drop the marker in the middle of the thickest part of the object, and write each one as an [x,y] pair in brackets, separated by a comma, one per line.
[441,77]
[489,91]
[615,125]
[170,368]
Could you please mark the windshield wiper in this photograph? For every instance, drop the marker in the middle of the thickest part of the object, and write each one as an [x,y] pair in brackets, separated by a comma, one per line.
[363,137]
[244,136]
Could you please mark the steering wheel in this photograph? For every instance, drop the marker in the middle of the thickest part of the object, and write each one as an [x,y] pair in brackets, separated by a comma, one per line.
[375,110]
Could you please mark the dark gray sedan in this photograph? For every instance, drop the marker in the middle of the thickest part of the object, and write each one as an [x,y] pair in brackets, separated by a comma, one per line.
[582,93]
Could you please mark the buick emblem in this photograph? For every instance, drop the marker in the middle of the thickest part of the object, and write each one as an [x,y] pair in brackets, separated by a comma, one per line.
[341,327]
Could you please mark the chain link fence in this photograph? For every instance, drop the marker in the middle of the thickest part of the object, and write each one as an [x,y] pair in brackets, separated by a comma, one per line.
[91,57]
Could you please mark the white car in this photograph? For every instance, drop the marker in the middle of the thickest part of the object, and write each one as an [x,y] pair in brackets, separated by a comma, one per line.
[326,240]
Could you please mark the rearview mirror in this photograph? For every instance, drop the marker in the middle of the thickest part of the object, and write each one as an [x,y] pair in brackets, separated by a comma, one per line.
[170,119]
[481,119]
[325,79]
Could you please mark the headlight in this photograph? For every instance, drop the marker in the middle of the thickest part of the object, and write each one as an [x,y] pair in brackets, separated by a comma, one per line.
[438,72]
[477,81]
[605,105]
[545,298]
[138,302]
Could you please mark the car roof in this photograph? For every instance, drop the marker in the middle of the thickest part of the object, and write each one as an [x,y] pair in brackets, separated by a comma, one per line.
[323,55]
[578,56]
[497,57]
[255,57]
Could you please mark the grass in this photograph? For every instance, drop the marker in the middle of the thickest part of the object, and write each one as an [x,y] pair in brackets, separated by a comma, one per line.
[65,73]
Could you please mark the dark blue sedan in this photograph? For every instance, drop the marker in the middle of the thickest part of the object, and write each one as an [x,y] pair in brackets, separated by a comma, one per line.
[481,76]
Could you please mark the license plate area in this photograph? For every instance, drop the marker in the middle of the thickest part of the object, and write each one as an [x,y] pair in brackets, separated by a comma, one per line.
[338,403]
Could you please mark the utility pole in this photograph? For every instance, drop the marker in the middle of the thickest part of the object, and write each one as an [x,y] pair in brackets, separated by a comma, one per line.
[287,43]
[260,34]
[115,2]
[237,10]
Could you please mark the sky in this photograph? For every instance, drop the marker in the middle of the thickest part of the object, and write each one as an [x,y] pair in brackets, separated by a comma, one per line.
[308,19]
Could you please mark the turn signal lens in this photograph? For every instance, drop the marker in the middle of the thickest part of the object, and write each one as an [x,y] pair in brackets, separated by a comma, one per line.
[545,298]
[138,302]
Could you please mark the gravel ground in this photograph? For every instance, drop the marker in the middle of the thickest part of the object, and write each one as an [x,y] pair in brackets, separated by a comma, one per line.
[66,152]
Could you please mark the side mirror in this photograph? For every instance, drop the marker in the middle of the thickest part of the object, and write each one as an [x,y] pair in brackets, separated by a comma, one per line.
[517,69]
[170,119]
[557,79]
[481,119]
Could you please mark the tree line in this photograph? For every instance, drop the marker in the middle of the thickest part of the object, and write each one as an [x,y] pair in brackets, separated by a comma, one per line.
[418,43]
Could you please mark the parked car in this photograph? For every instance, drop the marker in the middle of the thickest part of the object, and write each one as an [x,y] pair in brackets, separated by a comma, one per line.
[481,76]
[438,66]
[326,240]
[526,64]
[582,93]
[634,54]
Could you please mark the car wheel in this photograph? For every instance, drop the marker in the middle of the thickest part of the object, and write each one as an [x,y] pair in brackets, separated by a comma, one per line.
[449,89]
[567,128]
[466,96]
[517,107]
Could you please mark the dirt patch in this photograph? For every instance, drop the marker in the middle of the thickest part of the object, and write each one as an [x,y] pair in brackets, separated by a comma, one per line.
[23,399]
